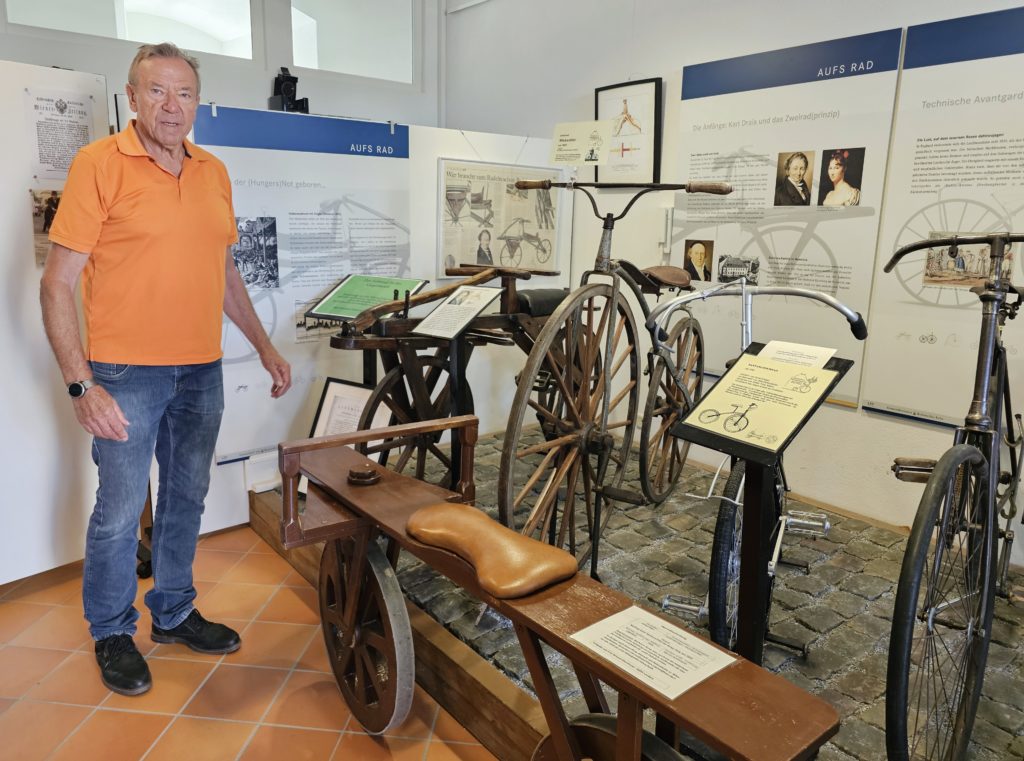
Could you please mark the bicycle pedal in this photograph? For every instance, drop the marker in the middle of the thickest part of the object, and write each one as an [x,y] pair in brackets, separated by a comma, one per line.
[691,606]
[913,469]
[807,524]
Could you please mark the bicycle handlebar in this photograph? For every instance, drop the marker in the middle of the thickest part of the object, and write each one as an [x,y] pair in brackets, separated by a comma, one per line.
[658,321]
[715,188]
[953,242]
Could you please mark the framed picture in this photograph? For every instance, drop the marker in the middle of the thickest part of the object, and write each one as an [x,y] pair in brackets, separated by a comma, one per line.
[341,405]
[483,219]
[635,111]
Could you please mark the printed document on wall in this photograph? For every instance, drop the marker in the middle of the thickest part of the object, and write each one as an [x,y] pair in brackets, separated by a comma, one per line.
[802,135]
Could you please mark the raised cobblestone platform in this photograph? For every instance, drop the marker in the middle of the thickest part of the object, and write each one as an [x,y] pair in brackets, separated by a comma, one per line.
[842,609]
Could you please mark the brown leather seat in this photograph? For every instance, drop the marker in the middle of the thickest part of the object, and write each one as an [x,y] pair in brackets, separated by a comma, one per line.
[668,276]
[507,564]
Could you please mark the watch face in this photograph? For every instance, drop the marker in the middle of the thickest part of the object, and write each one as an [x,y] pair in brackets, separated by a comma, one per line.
[76,389]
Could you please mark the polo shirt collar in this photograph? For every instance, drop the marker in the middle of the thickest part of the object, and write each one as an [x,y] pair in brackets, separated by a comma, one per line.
[129,144]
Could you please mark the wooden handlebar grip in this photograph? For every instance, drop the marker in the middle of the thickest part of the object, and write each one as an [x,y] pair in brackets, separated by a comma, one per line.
[533,184]
[717,188]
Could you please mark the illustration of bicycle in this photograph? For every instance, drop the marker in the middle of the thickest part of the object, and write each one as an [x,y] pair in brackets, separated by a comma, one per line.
[801,383]
[734,422]
[511,253]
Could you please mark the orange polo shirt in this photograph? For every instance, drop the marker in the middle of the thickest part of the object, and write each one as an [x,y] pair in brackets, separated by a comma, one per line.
[153,288]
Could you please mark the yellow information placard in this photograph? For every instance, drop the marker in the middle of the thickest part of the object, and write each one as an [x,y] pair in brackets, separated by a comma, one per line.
[761,402]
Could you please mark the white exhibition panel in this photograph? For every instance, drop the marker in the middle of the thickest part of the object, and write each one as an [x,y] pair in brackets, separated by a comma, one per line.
[337,211]
[46,467]
[957,167]
[739,120]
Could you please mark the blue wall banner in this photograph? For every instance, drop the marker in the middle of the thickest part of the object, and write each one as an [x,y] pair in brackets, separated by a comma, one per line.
[971,38]
[847,57]
[281,131]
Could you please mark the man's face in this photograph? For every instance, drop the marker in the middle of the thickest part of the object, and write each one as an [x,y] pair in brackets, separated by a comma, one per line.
[797,169]
[697,254]
[165,97]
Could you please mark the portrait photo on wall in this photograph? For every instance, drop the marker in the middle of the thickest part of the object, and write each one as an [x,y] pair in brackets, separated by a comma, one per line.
[841,172]
[255,253]
[698,259]
[794,176]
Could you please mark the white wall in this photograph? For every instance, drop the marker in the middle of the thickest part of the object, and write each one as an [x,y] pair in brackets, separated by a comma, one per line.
[248,83]
[520,66]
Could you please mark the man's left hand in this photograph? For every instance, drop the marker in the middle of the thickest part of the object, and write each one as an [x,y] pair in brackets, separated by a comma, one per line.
[279,369]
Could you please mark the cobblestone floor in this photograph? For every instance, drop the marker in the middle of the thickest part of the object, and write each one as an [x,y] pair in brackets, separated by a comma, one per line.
[842,609]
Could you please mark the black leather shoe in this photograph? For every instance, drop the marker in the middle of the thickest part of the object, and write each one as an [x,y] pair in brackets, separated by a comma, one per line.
[200,635]
[122,667]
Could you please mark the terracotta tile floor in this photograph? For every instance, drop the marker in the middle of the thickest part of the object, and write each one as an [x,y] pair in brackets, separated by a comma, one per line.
[273,699]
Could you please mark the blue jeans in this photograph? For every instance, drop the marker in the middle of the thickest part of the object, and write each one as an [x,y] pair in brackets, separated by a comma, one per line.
[175,411]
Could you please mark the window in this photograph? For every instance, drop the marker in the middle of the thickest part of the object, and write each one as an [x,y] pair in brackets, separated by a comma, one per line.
[222,27]
[367,38]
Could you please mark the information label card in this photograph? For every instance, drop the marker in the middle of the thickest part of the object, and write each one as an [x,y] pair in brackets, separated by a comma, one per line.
[761,401]
[664,656]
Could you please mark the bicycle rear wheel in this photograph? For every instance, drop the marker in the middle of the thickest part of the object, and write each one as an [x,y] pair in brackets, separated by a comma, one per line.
[942,614]
[724,572]
[662,455]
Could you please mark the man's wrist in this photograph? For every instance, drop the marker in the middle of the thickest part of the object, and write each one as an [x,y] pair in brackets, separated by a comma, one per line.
[77,389]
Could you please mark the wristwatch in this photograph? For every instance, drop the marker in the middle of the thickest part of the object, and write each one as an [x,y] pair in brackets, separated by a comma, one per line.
[77,389]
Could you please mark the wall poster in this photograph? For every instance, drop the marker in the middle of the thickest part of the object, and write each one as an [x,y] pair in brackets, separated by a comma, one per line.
[484,219]
[634,108]
[957,168]
[802,134]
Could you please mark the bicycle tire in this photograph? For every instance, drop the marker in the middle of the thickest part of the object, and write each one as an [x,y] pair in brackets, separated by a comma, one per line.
[726,547]
[913,651]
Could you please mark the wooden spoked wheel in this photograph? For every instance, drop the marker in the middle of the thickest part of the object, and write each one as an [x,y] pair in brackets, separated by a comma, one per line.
[595,733]
[410,397]
[572,421]
[368,635]
[662,455]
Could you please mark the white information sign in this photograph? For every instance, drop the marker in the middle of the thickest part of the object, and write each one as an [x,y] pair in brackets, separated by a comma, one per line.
[661,654]
[802,135]
[957,168]
[60,122]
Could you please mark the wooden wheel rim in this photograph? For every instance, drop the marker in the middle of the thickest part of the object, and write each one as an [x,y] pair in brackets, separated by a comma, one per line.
[372,661]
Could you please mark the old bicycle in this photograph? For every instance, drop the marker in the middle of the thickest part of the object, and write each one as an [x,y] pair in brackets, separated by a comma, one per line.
[511,254]
[942,615]
[722,602]
[581,383]
[367,515]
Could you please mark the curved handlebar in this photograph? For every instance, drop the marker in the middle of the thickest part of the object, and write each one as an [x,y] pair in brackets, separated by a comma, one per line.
[660,315]
[716,188]
[951,242]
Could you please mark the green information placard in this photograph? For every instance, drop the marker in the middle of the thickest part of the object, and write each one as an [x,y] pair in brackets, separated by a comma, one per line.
[357,293]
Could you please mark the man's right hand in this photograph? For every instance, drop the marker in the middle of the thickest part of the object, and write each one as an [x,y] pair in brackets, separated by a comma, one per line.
[99,414]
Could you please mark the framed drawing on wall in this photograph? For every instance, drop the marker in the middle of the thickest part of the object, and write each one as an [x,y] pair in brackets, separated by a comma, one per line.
[483,219]
[635,111]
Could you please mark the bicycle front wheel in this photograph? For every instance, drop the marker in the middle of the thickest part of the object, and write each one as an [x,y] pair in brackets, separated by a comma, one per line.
[662,455]
[551,473]
[942,615]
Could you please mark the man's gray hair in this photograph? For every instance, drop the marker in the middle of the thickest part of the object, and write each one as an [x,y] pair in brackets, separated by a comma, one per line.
[161,50]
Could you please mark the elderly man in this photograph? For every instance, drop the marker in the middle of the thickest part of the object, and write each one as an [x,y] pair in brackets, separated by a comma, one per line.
[146,220]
